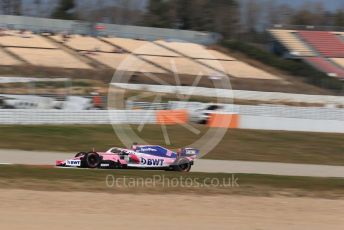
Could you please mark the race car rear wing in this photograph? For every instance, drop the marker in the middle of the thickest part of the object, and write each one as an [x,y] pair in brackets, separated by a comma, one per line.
[189,152]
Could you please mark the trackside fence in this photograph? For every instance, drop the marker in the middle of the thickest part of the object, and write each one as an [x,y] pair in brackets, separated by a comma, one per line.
[28,116]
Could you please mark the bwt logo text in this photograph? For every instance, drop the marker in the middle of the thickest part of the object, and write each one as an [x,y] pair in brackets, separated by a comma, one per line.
[155,162]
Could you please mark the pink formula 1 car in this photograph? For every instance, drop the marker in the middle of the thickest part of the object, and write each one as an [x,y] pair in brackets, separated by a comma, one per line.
[140,156]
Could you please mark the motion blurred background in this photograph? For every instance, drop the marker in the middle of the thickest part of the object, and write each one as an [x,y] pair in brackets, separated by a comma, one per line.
[283,59]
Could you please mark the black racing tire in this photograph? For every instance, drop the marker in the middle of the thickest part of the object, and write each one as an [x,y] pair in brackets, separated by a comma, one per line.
[79,154]
[182,165]
[92,160]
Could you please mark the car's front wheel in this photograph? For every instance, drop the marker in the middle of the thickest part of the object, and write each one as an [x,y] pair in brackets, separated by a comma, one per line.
[92,160]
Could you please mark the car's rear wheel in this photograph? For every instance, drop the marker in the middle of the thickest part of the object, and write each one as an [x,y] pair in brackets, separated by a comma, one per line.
[183,165]
[92,160]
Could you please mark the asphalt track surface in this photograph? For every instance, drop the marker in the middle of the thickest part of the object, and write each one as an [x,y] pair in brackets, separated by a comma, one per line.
[201,165]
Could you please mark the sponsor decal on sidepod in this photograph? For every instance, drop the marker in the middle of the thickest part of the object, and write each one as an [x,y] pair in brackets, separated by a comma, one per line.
[155,162]
[73,163]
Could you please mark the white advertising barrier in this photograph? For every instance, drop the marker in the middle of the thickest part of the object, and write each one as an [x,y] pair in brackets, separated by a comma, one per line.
[29,116]
[290,124]
[237,94]
[5,79]
[260,122]
[311,113]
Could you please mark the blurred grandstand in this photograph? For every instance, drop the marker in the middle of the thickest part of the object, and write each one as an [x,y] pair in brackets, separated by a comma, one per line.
[93,50]
[32,46]
[321,49]
[73,51]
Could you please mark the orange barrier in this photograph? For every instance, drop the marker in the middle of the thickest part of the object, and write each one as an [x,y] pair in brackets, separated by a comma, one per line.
[170,117]
[224,121]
